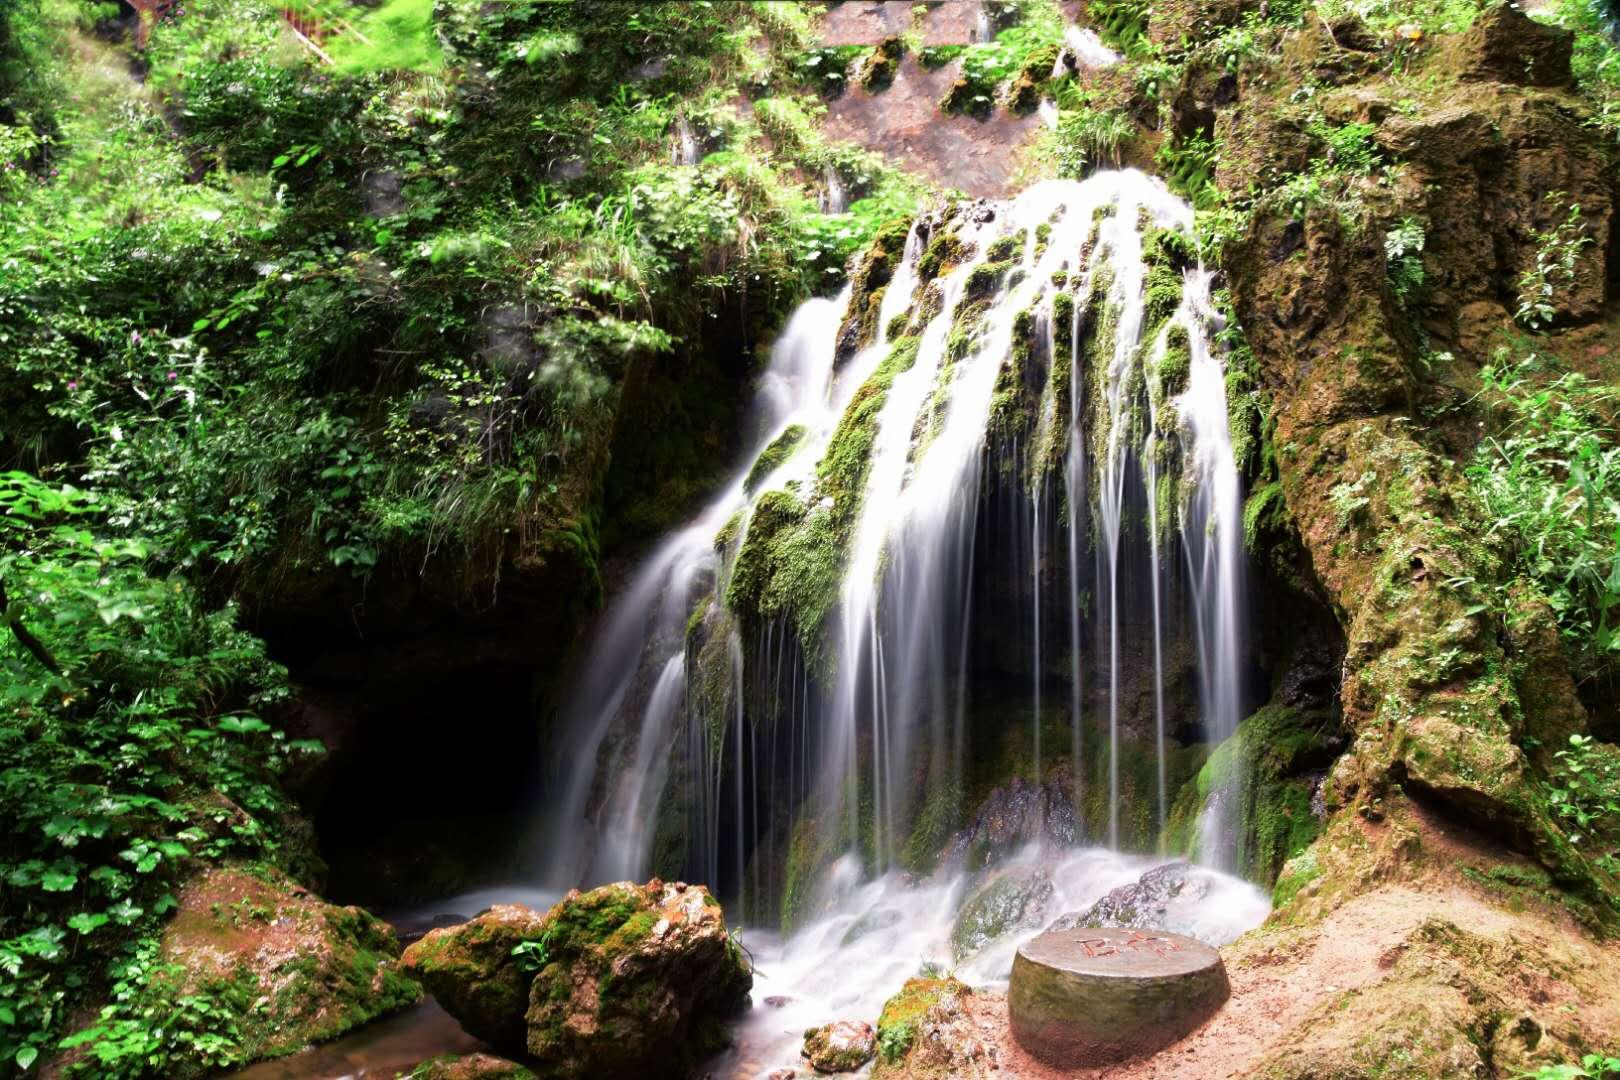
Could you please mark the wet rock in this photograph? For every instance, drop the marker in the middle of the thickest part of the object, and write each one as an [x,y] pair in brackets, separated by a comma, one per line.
[842,1046]
[410,934]
[1017,814]
[778,1001]
[871,922]
[311,971]
[1164,898]
[470,969]
[1013,899]
[470,1067]
[1098,996]
[780,1074]
[509,345]
[926,1031]
[636,981]
[381,191]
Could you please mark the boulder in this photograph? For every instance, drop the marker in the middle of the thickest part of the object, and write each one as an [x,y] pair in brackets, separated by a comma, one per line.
[297,969]
[926,1031]
[1013,899]
[471,971]
[625,980]
[1506,45]
[469,1067]
[1098,996]
[634,981]
[842,1046]
[1159,900]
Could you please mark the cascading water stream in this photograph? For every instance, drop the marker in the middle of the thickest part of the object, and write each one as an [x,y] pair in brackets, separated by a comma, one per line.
[1024,481]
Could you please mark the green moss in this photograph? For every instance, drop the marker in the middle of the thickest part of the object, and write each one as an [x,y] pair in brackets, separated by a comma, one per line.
[1295,875]
[904,1013]
[1008,247]
[1267,772]
[1174,365]
[984,279]
[780,449]
[937,819]
[944,251]
[882,64]
[790,563]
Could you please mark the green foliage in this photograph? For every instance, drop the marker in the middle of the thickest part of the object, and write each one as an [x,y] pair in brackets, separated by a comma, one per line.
[988,65]
[133,738]
[1121,23]
[1549,479]
[1403,251]
[1188,165]
[1587,789]
[1557,251]
[1592,1067]
[397,35]
[1596,59]
[1088,137]
[1350,147]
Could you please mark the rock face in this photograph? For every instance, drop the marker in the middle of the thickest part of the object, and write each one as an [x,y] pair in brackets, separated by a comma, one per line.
[843,1046]
[302,970]
[1096,996]
[471,971]
[623,981]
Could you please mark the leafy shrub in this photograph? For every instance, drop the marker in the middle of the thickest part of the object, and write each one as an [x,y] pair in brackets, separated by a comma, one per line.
[1557,251]
[1549,478]
[1403,251]
[131,725]
[1089,137]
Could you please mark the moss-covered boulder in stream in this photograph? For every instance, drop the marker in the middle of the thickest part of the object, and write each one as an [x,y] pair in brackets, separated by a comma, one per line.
[472,971]
[842,1046]
[624,980]
[636,981]
[469,1067]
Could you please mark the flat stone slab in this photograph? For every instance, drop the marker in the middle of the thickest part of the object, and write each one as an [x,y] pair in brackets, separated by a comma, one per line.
[1098,996]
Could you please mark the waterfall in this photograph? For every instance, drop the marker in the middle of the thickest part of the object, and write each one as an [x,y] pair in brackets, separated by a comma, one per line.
[1082,50]
[625,709]
[833,198]
[1019,495]
[685,151]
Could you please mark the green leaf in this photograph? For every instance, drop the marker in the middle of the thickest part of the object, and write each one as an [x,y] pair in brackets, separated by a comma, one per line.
[27,1056]
[85,922]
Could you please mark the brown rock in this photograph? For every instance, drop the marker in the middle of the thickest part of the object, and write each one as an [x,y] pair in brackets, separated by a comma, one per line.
[842,1046]
[1506,45]
[636,982]
[1095,996]
[470,969]
[470,1067]
[317,970]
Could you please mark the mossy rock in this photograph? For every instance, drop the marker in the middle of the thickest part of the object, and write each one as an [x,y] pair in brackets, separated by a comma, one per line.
[469,1067]
[1268,772]
[635,981]
[471,970]
[925,1033]
[291,968]
[839,1047]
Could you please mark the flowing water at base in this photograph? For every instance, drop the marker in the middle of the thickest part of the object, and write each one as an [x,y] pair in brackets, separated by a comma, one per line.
[877,934]
[870,937]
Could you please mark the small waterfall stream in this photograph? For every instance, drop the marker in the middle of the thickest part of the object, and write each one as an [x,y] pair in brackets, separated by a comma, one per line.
[1013,513]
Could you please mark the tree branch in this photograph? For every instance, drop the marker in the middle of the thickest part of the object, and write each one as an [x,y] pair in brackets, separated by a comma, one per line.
[23,635]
